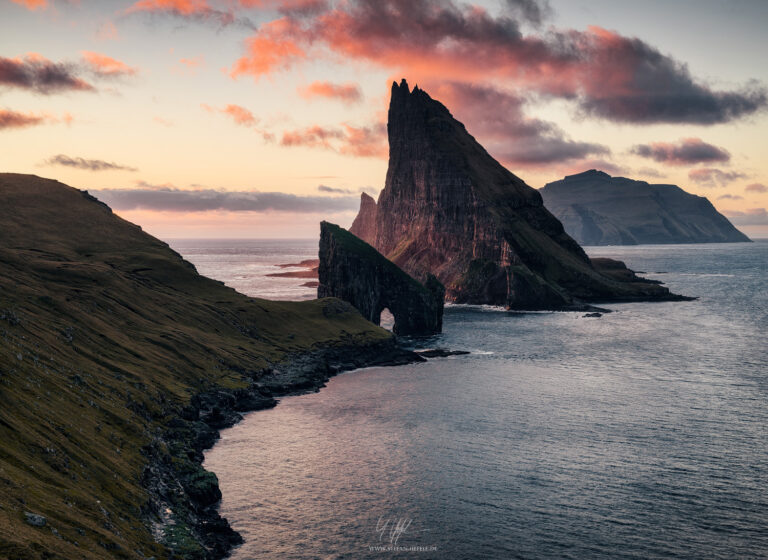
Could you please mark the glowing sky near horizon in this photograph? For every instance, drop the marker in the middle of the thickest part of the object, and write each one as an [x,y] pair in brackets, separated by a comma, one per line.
[259,118]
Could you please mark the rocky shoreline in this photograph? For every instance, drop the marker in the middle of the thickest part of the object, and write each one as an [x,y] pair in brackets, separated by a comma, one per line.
[183,497]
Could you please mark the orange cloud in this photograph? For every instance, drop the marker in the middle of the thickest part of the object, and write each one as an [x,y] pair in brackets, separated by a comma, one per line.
[32,4]
[348,92]
[104,65]
[365,141]
[183,7]
[240,115]
[243,117]
[269,50]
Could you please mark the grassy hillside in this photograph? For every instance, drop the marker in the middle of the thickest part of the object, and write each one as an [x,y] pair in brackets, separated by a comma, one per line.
[105,334]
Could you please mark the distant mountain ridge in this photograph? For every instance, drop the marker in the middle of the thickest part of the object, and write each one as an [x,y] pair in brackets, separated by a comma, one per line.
[597,209]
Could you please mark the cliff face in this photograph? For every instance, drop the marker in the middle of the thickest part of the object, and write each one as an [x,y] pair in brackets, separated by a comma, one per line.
[448,208]
[355,272]
[597,209]
[364,225]
[118,363]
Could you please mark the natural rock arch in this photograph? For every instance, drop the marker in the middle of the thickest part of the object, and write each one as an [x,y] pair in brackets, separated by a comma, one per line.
[352,270]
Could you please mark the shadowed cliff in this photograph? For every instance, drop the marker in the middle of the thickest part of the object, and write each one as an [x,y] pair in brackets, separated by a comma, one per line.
[118,363]
[449,209]
[352,270]
[597,209]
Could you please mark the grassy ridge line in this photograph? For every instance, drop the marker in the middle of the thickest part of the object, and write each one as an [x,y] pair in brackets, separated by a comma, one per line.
[105,334]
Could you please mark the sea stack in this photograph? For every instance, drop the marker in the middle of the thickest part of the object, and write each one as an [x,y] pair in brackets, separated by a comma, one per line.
[351,270]
[449,209]
[597,209]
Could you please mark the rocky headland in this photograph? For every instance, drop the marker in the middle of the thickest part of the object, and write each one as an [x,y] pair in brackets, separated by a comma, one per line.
[597,209]
[119,363]
[449,209]
[351,270]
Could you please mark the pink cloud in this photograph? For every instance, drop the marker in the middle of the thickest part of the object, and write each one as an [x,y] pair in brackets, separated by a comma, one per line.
[32,4]
[603,73]
[106,66]
[348,92]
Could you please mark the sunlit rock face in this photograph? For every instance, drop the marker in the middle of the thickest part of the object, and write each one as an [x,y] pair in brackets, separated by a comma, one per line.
[597,209]
[449,209]
[364,225]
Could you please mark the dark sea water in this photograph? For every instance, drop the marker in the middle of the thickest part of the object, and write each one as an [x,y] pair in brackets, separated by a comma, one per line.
[639,434]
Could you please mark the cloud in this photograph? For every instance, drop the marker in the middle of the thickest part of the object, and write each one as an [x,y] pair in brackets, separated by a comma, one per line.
[240,115]
[363,141]
[198,10]
[687,151]
[531,11]
[296,7]
[651,172]
[756,187]
[87,164]
[36,73]
[730,197]
[346,92]
[498,118]
[709,177]
[750,217]
[32,4]
[15,119]
[243,117]
[334,190]
[107,67]
[602,73]
[168,198]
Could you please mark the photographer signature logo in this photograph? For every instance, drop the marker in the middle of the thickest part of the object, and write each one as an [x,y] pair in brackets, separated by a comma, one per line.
[392,528]
[389,531]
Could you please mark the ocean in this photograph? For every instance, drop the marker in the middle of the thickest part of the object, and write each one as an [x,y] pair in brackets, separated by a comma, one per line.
[639,434]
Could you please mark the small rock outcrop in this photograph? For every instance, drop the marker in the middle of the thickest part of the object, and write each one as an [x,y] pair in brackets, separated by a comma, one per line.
[352,270]
[364,225]
[597,209]
[449,209]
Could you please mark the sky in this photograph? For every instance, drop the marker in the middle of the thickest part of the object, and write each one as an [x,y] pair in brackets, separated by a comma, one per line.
[259,118]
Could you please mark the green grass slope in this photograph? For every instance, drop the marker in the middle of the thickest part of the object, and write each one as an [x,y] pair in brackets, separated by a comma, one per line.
[104,330]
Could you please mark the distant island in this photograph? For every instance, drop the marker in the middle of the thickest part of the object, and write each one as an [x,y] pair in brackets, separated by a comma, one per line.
[597,209]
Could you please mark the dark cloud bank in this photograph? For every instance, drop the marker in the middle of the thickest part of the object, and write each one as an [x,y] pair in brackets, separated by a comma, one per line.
[171,199]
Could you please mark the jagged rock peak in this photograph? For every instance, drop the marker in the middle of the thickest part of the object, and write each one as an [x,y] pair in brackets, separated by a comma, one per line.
[364,225]
[450,209]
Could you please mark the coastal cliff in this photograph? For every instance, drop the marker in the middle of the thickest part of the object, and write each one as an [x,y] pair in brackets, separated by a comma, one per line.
[449,209]
[119,363]
[597,209]
[351,270]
